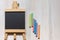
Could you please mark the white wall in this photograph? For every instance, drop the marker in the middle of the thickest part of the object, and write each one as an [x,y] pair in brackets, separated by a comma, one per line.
[55,18]
[40,8]
[47,13]
[49,17]
[2,19]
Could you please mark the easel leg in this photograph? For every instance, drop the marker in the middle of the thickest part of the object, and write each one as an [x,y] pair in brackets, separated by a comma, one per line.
[6,35]
[14,36]
[24,36]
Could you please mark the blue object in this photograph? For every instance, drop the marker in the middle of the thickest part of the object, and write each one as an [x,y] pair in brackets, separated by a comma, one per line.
[35,27]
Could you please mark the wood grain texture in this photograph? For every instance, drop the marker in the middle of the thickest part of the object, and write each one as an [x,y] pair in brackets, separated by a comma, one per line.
[14,36]
[10,10]
[24,36]
[6,36]
[15,30]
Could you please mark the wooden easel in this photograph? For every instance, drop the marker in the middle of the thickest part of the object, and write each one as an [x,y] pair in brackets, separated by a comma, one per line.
[15,32]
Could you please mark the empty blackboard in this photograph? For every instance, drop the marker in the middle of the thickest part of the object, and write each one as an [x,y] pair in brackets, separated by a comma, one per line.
[14,20]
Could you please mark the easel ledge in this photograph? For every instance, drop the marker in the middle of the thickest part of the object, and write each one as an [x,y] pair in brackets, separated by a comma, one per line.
[10,10]
[15,30]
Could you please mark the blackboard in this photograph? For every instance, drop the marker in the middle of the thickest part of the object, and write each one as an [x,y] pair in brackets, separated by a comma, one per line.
[14,20]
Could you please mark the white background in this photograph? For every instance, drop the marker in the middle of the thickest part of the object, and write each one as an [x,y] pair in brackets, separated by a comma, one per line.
[46,12]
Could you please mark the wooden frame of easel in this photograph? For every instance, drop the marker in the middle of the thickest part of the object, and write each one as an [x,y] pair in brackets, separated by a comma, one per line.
[15,7]
[15,31]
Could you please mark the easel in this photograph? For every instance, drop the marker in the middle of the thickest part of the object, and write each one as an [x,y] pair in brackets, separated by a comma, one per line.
[15,32]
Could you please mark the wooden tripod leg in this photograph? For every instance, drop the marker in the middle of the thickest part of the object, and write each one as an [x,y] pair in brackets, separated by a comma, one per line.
[14,36]
[24,36]
[6,35]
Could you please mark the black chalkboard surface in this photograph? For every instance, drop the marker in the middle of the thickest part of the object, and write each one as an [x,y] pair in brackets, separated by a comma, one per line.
[15,20]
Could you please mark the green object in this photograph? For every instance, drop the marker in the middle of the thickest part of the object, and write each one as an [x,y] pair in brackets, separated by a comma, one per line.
[30,20]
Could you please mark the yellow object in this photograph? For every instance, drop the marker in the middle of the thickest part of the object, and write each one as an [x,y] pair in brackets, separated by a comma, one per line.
[15,5]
